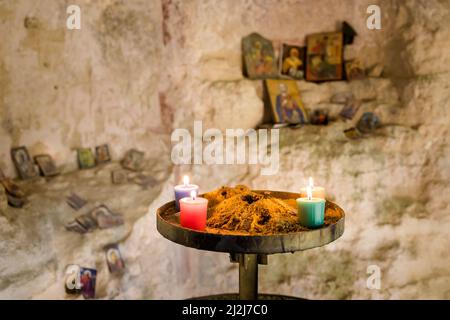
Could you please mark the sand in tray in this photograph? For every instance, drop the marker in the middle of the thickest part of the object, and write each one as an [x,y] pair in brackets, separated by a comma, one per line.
[239,209]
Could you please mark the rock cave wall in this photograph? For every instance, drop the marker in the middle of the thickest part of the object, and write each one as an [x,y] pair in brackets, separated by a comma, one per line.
[138,69]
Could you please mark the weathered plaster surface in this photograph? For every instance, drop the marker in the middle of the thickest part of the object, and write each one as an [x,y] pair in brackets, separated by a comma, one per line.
[138,69]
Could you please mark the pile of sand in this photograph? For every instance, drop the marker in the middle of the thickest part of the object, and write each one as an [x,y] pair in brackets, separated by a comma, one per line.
[240,209]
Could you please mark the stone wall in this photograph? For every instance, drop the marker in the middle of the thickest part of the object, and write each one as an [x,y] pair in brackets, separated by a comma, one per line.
[64,89]
[138,69]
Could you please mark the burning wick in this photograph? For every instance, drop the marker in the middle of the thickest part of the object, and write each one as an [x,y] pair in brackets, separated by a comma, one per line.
[311,182]
[186,180]
[309,192]
[193,194]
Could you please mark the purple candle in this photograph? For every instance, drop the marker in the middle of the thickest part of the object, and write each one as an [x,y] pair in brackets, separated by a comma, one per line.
[184,190]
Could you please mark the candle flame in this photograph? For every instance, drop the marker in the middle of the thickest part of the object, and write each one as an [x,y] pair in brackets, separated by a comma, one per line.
[186,180]
[311,182]
[309,192]
[193,194]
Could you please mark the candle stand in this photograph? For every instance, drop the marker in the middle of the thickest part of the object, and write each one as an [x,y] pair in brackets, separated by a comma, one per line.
[248,250]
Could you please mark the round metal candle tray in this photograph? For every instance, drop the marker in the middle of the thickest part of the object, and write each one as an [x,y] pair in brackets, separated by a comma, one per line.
[247,249]
[168,224]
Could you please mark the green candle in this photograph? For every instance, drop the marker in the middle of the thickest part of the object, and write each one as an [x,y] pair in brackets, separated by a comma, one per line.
[311,211]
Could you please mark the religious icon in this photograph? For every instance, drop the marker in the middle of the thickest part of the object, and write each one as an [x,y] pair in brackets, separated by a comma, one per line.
[75,201]
[368,122]
[72,280]
[133,160]
[106,218]
[75,226]
[88,279]
[114,258]
[350,109]
[285,101]
[292,61]
[24,165]
[258,57]
[324,56]
[87,221]
[319,117]
[12,188]
[354,70]
[102,154]
[46,165]
[352,133]
[119,176]
[12,194]
[16,202]
[86,159]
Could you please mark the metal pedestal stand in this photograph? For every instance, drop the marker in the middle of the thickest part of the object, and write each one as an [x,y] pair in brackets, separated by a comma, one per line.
[248,250]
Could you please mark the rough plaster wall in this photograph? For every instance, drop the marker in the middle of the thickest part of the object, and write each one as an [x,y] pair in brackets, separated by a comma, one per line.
[63,89]
[391,185]
[138,69]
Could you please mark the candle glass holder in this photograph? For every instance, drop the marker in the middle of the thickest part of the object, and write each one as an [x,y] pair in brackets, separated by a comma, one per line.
[311,212]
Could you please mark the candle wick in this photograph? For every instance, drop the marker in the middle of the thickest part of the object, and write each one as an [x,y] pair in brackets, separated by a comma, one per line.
[309,192]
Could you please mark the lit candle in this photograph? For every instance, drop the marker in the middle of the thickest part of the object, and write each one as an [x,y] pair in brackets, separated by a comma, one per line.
[317,192]
[311,210]
[184,190]
[193,212]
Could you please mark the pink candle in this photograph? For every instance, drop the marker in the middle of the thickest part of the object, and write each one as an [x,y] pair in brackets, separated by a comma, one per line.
[193,212]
